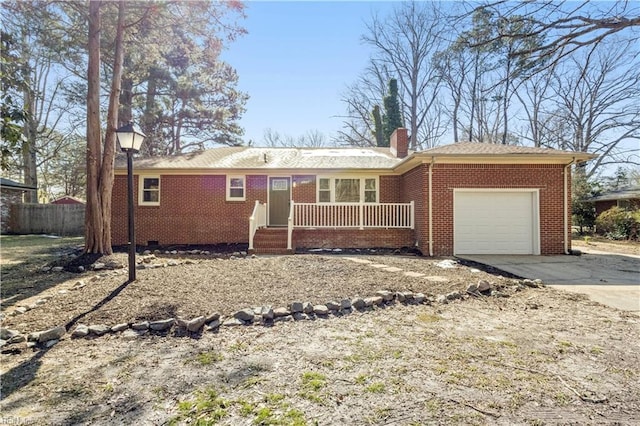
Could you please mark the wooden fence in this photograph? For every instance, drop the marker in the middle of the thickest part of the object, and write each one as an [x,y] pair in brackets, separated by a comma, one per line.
[58,219]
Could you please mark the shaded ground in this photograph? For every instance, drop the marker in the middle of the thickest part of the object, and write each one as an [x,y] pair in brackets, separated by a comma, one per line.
[540,356]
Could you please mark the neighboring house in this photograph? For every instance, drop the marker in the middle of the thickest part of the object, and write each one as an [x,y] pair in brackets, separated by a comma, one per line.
[465,198]
[11,192]
[67,200]
[627,198]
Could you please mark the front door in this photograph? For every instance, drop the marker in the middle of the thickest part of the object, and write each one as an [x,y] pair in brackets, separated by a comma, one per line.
[279,197]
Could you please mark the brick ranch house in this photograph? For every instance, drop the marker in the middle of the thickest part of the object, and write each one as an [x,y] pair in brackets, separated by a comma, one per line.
[464,198]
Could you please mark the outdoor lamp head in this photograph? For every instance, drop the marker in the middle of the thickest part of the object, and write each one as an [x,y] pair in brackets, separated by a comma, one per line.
[130,137]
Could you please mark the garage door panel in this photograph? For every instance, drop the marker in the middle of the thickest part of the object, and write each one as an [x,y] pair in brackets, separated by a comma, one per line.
[494,223]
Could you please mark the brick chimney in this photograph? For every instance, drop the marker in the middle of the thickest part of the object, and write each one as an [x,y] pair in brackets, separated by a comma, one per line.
[399,143]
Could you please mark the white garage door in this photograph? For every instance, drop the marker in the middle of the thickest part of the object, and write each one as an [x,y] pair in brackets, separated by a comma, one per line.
[495,222]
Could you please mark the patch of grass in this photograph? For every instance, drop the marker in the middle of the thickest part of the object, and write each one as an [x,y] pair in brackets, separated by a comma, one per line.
[312,383]
[361,379]
[251,381]
[246,407]
[206,408]
[377,387]
[273,398]
[433,405]
[596,350]
[562,398]
[428,318]
[208,358]
[313,380]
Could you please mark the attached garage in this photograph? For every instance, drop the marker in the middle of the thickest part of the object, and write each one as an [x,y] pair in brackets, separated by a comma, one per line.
[496,221]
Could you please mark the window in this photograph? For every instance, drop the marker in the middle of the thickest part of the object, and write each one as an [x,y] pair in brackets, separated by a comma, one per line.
[149,194]
[324,190]
[235,188]
[347,190]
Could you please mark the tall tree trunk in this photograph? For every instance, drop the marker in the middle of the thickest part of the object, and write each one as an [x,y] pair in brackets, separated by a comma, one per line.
[29,163]
[126,95]
[100,166]
[93,227]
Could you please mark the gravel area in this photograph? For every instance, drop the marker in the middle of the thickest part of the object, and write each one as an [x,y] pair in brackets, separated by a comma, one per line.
[226,285]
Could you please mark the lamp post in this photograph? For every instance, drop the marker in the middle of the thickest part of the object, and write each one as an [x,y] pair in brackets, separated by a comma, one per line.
[130,139]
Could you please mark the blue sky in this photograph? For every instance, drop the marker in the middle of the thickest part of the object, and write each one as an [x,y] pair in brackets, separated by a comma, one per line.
[296,61]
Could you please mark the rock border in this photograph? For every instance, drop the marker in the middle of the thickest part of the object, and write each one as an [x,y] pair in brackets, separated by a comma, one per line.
[264,315]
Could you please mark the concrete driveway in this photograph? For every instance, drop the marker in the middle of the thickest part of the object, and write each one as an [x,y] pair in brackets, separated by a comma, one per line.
[608,278]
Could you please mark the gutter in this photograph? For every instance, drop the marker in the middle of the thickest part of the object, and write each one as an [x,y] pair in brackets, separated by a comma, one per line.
[567,170]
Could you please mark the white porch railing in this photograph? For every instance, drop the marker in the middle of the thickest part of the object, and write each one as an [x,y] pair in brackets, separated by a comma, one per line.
[352,215]
[257,220]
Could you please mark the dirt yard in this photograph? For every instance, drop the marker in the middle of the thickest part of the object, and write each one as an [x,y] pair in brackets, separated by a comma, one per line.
[523,356]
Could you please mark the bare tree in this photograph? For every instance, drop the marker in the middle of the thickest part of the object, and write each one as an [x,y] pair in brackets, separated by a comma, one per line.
[310,139]
[567,26]
[404,43]
[595,104]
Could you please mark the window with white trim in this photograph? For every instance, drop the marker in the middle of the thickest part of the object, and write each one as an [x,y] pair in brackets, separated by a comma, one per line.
[347,190]
[149,193]
[236,186]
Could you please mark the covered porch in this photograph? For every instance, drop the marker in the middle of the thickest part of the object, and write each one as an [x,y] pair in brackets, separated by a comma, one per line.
[315,225]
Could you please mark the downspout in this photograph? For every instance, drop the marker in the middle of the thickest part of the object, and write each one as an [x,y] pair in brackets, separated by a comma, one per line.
[567,170]
[430,209]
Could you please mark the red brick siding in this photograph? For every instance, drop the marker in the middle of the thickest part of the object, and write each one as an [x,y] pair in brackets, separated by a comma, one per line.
[602,206]
[353,238]
[192,210]
[547,178]
[304,189]
[415,187]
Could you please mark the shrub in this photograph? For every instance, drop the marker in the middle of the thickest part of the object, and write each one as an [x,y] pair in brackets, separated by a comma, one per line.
[618,224]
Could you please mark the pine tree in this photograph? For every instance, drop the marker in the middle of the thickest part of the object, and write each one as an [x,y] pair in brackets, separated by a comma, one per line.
[392,118]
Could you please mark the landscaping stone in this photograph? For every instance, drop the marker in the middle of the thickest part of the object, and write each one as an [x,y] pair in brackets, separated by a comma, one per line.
[19,338]
[63,291]
[442,299]
[120,327]
[161,325]
[21,309]
[404,296]
[232,322]
[51,334]
[41,302]
[358,303]
[98,329]
[539,282]
[196,324]
[80,331]
[298,316]
[454,295]
[213,325]
[419,297]
[307,307]
[484,285]
[57,269]
[321,310]
[98,266]
[244,315]
[33,337]
[267,313]
[345,304]
[332,306]
[387,296]
[51,343]
[281,312]
[2,343]
[374,300]
[212,317]
[6,334]
[472,288]
[446,264]
[140,326]
[296,307]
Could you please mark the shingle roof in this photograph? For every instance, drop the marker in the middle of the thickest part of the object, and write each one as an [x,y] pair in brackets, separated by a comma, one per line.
[626,193]
[273,158]
[257,158]
[474,148]
[8,183]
